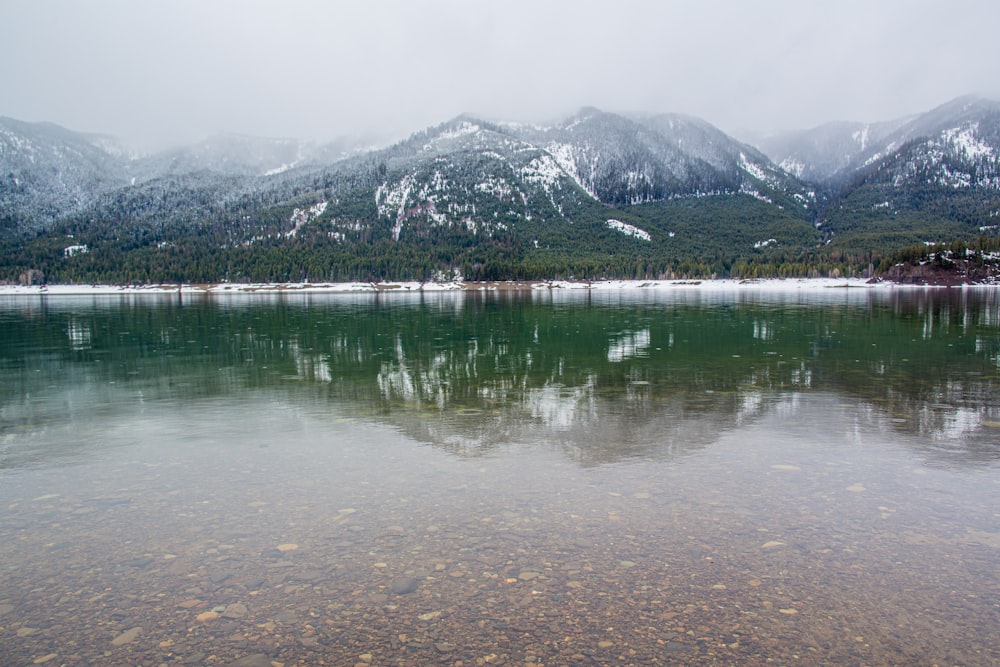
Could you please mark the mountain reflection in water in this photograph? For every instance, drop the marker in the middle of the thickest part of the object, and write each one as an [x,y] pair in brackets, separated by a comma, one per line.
[601,376]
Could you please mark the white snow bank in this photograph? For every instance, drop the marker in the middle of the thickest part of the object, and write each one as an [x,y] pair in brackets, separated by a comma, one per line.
[772,285]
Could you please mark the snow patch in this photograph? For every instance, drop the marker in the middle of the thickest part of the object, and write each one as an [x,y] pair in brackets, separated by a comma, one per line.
[280,170]
[963,141]
[69,251]
[756,195]
[565,157]
[861,136]
[543,170]
[301,217]
[496,187]
[629,230]
[793,166]
[751,168]
[261,290]
[391,201]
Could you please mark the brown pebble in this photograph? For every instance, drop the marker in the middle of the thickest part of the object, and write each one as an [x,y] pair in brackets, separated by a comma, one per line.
[126,637]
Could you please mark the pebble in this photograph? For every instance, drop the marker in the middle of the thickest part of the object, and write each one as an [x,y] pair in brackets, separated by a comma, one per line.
[255,660]
[856,488]
[290,546]
[403,585]
[527,575]
[207,616]
[126,637]
[45,658]
[6,609]
[772,544]
[235,610]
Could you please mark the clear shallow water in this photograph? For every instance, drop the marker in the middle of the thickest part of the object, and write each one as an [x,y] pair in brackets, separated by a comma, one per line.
[621,478]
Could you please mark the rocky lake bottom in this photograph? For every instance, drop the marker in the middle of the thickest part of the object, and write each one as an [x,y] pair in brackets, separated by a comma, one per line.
[258,535]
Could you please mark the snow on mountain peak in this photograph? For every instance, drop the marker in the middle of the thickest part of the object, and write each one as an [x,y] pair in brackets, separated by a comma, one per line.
[463,129]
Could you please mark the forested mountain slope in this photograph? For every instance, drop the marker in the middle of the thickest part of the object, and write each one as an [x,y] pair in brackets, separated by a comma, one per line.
[596,195]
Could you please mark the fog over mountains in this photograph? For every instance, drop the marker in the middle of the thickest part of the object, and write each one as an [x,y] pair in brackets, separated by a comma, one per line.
[604,188]
[833,152]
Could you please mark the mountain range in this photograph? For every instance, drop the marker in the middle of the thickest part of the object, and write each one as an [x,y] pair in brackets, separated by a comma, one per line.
[597,194]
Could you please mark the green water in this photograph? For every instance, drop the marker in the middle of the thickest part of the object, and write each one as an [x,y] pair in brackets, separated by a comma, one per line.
[561,478]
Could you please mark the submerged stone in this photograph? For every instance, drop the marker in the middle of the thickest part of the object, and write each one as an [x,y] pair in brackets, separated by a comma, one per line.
[126,637]
[403,585]
[255,660]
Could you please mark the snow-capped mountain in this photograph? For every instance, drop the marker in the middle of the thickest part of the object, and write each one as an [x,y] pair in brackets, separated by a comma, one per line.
[233,154]
[826,153]
[470,174]
[451,173]
[933,179]
[477,177]
[48,172]
[598,193]
[243,155]
[625,160]
[955,144]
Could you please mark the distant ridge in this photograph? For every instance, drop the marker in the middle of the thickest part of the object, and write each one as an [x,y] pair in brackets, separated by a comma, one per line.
[596,195]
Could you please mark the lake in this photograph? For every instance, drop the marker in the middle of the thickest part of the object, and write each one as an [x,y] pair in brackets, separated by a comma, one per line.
[529,478]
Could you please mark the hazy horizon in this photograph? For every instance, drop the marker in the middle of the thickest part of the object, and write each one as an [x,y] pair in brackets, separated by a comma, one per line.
[165,73]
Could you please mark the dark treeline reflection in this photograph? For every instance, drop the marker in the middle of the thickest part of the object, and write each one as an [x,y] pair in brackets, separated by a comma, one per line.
[604,376]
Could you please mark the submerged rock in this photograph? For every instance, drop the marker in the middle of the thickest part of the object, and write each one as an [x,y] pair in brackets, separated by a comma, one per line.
[403,585]
[126,637]
[255,660]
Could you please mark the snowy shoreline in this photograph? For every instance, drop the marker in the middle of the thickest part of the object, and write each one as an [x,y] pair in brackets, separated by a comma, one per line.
[791,284]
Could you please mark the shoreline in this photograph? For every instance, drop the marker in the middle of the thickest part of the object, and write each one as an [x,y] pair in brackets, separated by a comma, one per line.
[213,289]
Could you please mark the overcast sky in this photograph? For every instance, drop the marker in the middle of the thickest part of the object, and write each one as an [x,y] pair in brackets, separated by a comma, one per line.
[171,70]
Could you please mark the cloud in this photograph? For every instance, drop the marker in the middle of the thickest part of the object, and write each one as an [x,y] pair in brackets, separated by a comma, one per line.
[177,69]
